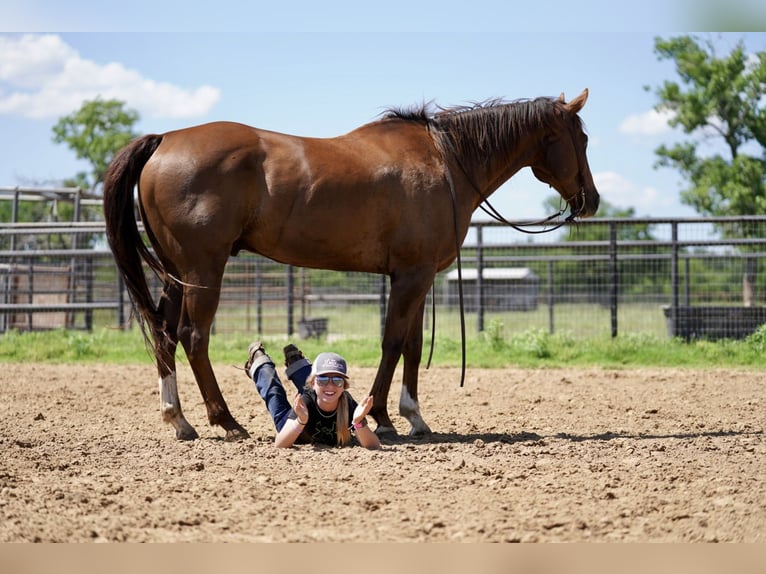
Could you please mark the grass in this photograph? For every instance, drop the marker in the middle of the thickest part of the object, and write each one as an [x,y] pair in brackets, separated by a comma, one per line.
[494,348]
[589,320]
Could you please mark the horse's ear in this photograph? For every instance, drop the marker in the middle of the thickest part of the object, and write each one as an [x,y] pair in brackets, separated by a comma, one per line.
[577,104]
[562,99]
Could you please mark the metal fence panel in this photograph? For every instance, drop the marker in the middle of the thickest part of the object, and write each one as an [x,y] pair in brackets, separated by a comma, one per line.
[596,278]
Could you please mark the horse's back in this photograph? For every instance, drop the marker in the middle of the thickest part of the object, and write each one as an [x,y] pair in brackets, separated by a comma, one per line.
[208,144]
[196,189]
[242,187]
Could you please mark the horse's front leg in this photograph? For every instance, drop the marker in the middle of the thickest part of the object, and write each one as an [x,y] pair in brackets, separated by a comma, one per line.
[165,338]
[391,351]
[412,351]
[405,308]
[199,309]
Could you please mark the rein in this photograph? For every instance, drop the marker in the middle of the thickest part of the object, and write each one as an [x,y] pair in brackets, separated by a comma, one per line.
[489,209]
[494,214]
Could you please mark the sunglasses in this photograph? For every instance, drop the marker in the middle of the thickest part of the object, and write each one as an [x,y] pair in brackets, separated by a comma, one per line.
[324,380]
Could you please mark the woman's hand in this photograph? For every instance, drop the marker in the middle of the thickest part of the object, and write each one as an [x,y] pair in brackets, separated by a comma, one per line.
[293,427]
[362,409]
[301,409]
[364,435]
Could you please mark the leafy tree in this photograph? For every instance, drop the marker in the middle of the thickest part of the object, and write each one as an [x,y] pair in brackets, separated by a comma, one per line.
[720,99]
[96,132]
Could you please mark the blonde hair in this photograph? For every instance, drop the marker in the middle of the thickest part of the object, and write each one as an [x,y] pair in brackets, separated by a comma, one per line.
[341,413]
[341,419]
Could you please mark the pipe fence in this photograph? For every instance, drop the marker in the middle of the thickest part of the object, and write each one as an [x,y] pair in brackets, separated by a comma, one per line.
[691,277]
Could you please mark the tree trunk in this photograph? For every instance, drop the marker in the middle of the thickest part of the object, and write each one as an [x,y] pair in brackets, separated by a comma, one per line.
[748,282]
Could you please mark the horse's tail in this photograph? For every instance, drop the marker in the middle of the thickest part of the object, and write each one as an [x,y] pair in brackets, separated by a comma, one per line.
[122,232]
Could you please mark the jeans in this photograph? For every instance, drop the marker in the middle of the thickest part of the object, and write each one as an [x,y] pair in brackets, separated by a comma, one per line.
[273,393]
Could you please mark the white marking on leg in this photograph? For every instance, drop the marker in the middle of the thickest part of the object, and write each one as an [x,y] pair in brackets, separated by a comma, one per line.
[410,409]
[170,407]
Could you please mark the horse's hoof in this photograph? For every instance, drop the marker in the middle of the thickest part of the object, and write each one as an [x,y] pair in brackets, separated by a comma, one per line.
[387,434]
[236,435]
[187,433]
[420,431]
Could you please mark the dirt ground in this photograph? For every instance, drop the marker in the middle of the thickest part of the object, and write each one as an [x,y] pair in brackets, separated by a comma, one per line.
[655,455]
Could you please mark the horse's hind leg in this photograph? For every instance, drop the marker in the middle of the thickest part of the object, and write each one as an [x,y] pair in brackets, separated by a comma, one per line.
[198,311]
[165,343]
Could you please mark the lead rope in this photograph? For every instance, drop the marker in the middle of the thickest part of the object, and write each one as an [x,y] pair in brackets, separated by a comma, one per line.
[492,212]
[489,209]
[453,195]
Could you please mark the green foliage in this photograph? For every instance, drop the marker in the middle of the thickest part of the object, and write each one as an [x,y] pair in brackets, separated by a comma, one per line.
[534,348]
[96,132]
[535,342]
[72,346]
[720,98]
[493,334]
[757,340]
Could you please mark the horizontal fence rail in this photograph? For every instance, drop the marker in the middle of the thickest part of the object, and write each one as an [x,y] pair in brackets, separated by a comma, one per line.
[692,277]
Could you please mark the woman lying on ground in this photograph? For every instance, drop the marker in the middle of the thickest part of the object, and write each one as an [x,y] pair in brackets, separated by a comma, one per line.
[324,411]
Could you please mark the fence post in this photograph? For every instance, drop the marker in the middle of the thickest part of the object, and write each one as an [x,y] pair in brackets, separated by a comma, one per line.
[121,321]
[14,215]
[674,276]
[303,293]
[382,305]
[74,271]
[259,295]
[88,292]
[480,277]
[290,298]
[613,275]
[30,291]
[550,297]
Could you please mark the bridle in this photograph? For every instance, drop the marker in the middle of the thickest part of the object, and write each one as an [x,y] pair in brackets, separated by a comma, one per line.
[490,210]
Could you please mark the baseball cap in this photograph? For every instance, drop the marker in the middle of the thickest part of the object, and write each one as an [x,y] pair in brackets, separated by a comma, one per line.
[329,363]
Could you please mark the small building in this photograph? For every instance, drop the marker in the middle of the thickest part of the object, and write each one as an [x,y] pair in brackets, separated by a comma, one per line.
[505,289]
[34,297]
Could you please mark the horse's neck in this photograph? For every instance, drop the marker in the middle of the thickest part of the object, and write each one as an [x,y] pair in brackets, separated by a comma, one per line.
[503,163]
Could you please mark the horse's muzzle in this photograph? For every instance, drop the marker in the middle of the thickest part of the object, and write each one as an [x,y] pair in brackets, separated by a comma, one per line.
[584,204]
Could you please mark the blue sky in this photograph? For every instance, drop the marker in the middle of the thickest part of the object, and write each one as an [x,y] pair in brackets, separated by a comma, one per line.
[301,70]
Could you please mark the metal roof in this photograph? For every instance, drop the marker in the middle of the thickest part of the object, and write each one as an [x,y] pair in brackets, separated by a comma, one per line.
[495,273]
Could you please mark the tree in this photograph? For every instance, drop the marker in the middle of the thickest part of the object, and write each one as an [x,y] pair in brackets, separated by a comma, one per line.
[719,100]
[96,132]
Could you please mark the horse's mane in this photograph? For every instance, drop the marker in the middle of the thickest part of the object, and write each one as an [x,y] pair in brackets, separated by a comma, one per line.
[476,129]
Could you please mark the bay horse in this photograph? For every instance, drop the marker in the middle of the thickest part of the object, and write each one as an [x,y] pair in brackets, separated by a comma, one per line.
[394,197]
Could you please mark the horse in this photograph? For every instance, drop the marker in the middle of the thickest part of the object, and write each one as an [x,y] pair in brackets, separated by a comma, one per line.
[394,196]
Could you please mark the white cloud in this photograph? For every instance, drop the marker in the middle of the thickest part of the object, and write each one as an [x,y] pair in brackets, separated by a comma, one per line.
[623,193]
[41,77]
[648,123]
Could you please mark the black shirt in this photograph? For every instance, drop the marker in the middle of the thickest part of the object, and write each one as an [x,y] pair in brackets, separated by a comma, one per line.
[321,427]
